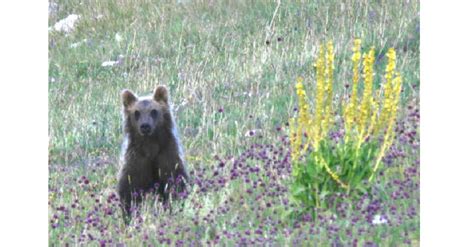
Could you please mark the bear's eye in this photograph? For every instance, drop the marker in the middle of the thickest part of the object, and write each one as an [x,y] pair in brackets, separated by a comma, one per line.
[154,113]
[137,115]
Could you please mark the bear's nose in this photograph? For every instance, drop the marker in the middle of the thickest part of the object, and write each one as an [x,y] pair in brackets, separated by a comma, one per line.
[145,128]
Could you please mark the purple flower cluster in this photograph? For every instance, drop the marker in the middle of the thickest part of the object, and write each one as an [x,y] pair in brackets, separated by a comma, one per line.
[244,200]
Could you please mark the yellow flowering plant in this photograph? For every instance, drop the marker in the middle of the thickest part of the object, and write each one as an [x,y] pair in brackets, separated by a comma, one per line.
[321,165]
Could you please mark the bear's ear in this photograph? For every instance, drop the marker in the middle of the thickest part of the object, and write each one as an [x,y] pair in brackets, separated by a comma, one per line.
[161,94]
[128,97]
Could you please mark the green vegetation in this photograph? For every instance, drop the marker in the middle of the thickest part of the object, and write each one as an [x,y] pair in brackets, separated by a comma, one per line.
[231,67]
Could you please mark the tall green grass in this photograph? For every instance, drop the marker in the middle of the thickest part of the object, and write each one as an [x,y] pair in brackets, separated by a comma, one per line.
[230,67]
[211,55]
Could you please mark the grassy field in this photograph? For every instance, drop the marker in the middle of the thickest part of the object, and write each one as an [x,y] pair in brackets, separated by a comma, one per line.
[231,68]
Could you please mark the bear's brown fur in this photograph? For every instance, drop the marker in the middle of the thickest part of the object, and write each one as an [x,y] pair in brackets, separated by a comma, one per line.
[152,158]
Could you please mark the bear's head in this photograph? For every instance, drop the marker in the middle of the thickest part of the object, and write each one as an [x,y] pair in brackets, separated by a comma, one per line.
[146,115]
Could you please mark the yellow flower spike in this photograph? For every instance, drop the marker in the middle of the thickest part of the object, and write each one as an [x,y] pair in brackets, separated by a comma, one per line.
[304,122]
[364,116]
[392,89]
[303,108]
[387,90]
[367,96]
[350,111]
[356,49]
[299,82]
[319,104]
[390,134]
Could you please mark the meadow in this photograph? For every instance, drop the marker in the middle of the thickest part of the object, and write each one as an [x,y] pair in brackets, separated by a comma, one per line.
[231,68]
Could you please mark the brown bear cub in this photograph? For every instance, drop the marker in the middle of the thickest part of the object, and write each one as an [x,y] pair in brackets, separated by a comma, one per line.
[152,158]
